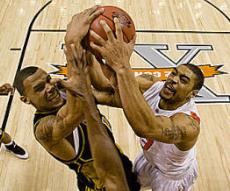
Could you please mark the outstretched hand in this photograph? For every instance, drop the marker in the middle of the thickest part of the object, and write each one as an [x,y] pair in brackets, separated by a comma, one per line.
[80,23]
[77,67]
[6,88]
[115,51]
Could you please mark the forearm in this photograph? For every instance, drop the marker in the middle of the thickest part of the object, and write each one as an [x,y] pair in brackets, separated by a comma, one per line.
[98,79]
[68,117]
[107,98]
[106,158]
[138,113]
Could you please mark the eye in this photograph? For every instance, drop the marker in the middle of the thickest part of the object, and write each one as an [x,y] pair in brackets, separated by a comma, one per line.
[39,87]
[48,79]
[173,73]
[183,80]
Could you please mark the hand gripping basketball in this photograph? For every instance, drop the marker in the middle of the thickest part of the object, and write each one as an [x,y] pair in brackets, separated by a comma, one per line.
[111,12]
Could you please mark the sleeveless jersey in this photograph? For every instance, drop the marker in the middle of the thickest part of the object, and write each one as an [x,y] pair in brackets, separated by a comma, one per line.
[167,157]
[84,157]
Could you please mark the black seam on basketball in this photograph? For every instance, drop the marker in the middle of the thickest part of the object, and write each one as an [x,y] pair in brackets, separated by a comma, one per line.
[108,18]
[112,22]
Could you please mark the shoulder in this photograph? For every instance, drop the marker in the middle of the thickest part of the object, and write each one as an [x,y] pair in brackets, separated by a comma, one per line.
[188,125]
[145,81]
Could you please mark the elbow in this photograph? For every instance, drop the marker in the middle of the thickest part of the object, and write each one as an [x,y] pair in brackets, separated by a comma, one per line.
[140,131]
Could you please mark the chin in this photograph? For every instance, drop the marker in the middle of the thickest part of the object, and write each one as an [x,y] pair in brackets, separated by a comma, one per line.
[59,103]
[165,97]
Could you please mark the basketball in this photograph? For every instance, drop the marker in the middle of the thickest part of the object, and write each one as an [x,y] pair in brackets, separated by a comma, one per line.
[110,12]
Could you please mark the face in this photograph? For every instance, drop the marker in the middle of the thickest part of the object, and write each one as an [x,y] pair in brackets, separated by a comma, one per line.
[41,93]
[179,85]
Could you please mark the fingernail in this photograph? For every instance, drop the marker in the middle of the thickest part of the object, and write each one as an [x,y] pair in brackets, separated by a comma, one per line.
[102,9]
[102,22]
[91,32]
[115,19]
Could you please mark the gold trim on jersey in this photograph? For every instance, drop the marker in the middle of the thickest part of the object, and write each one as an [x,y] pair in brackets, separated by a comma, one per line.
[1,135]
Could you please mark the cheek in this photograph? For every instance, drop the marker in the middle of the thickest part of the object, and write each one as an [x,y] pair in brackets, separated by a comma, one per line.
[38,97]
[183,90]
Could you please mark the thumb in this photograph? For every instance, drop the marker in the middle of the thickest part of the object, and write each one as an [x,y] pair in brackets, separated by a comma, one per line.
[132,42]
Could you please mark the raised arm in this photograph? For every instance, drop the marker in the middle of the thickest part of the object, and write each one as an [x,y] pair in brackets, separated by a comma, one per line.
[97,75]
[107,162]
[177,129]
[145,81]
[52,130]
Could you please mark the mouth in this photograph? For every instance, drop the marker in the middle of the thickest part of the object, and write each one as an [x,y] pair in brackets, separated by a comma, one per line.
[169,88]
[53,97]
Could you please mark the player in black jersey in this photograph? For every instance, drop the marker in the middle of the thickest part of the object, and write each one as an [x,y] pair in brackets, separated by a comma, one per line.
[60,125]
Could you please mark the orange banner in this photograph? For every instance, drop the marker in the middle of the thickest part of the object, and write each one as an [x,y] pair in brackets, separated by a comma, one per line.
[162,73]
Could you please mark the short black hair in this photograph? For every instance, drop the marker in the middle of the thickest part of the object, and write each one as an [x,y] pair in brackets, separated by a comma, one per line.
[21,76]
[199,75]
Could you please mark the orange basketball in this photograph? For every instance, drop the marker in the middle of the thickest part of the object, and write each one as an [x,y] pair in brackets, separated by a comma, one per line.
[110,12]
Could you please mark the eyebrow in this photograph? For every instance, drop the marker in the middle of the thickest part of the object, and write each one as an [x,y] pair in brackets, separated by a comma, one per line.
[38,85]
[181,75]
[184,76]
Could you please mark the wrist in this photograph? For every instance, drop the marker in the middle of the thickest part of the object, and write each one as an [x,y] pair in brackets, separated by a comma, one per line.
[123,70]
[75,41]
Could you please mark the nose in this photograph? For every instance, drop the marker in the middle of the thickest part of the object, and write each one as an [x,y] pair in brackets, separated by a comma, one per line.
[175,79]
[49,88]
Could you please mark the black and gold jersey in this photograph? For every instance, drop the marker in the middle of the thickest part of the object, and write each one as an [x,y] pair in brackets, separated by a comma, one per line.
[87,180]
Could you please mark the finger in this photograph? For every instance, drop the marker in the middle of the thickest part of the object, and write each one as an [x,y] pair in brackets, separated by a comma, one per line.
[54,81]
[92,9]
[95,14]
[89,57]
[75,55]
[12,91]
[84,60]
[119,33]
[64,84]
[70,60]
[96,47]
[132,42]
[108,30]
[99,40]
[68,53]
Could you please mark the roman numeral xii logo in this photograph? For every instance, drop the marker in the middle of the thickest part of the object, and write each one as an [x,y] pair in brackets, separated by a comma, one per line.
[160,64]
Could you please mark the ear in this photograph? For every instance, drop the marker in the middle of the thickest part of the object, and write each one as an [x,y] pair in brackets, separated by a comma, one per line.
[25,99]
[194,93]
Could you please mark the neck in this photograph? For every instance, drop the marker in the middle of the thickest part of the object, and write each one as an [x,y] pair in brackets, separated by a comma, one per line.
[170,105]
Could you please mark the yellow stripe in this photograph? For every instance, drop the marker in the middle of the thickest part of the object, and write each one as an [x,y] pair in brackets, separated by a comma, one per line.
[2,135]
[119,148]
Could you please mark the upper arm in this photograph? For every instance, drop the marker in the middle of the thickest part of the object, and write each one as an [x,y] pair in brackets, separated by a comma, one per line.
[176,129]
[45,134]
[107,98]
[54,128]
[145,81]
[44,130]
